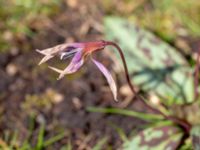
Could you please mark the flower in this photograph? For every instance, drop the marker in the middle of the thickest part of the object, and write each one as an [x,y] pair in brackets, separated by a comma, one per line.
[79,51]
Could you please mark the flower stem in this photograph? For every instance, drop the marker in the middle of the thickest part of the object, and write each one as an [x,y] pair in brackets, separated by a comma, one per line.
[180,122]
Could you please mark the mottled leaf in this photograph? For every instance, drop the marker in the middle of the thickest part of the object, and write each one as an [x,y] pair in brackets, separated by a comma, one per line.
[163,137]
[153,65]
[195,133]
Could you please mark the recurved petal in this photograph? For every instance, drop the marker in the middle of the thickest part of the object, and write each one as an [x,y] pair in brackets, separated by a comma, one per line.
[45,59]
[56,69]
[53,50]
[66,47]
[108,76]
[74,65]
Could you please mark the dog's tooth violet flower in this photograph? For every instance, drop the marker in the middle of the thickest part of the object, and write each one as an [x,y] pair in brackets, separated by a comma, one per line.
[78,51]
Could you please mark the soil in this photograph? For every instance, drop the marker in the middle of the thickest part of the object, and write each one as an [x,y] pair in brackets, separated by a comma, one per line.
[31,92]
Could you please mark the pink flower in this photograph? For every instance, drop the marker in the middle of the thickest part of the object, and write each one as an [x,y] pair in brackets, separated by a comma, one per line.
[79,52]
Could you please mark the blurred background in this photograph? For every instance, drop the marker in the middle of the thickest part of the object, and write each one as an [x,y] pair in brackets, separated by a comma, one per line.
[39,112]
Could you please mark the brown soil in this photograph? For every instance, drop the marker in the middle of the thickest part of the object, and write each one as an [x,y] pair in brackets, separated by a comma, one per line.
[21,79]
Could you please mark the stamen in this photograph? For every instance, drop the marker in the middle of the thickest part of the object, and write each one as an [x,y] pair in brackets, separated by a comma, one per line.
[65,55]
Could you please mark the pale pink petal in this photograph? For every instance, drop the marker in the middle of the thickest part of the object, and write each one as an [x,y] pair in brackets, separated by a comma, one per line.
[74,65]
[45,59]
[53,50]
[108,76]
[62,50]
[56,69]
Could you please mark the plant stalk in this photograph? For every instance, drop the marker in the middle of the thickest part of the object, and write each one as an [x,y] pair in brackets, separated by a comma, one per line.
[178,121]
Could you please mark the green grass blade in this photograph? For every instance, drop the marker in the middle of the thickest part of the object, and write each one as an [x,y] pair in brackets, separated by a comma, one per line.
[40,141]
[68,146]
[13,140]
[120,132]
[143,116]
[54,139]
[26,146]
[100,144]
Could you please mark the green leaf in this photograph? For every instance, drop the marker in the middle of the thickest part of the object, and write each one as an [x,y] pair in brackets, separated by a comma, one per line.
[153,65]
[68,146]
[100,144]
[40,140]
[156,138]
[120,132]
[140,115]
[54,139]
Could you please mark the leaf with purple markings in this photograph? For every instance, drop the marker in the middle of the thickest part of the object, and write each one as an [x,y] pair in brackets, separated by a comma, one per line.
[154,65]
[195,133]
[162,137]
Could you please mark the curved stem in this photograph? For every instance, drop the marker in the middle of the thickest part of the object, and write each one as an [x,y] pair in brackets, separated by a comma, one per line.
[128,77]
[184,124]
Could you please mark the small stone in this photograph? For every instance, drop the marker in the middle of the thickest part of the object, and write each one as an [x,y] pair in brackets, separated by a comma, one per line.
[125,90]
[8,36]
[77,103]
[58,98]
[72,3]
[154,99]
[14,51]
[41,119]
[54,96]
[11,69]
